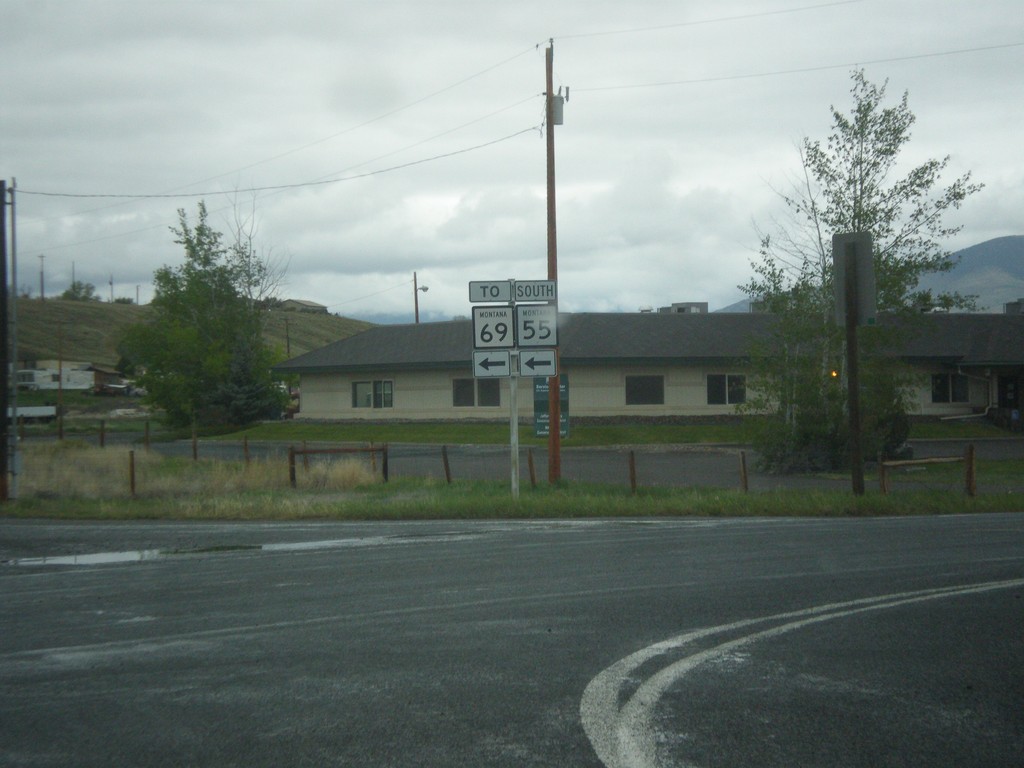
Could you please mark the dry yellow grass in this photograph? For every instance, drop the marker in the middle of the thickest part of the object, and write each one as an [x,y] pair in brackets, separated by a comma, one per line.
[73,469]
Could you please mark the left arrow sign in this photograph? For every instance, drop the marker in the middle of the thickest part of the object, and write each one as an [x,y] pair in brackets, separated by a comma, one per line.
[492,364]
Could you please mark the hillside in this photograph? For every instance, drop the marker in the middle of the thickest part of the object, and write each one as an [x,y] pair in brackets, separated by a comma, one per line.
[89,331]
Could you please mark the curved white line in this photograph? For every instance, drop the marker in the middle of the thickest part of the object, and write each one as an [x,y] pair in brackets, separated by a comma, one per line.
[624,736]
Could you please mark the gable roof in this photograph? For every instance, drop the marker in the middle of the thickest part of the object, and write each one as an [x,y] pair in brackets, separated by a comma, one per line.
[654,338]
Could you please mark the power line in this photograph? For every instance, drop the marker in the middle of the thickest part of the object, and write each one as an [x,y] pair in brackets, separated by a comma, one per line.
[801,70]
[701,22]
[280,187]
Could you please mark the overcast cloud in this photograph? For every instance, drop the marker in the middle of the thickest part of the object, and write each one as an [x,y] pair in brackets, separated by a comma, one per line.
[682,118]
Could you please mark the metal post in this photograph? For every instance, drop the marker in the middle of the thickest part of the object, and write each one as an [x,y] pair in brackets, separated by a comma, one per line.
[513,422]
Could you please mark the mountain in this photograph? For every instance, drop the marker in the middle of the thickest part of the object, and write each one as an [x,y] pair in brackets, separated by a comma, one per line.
[993,271]
[89,331]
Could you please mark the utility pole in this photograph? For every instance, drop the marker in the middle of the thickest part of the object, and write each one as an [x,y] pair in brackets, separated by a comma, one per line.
[554,388]
[4,361]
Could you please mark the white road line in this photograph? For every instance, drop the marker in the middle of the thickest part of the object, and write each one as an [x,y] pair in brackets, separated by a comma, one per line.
[624,735]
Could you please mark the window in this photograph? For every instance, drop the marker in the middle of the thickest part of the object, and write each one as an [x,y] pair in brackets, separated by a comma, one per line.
[373,394]
[950,388]
[727,389]
[467,393]
[645,390]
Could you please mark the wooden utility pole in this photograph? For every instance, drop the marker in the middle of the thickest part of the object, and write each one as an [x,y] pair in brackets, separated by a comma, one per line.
[554,388]
[4,362]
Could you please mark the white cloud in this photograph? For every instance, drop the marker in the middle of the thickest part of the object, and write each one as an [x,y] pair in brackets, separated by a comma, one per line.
[658,185]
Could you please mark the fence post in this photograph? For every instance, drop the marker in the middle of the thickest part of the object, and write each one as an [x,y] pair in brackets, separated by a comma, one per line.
[972,476]
[291,466]
[131,472]
[305,457]
[103,433]
[195,442]
[743,472]
[447,466]
[533,471]
[373,458]
[245,447]
[384,462]
[632,471]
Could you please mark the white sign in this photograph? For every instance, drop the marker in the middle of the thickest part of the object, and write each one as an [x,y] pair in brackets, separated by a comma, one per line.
[490,290]
[538,362]
[537,325]
[493,328]
[492,364]
[534,290]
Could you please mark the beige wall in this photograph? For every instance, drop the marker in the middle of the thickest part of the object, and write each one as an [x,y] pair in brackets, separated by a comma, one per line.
[428,395]
[593,391]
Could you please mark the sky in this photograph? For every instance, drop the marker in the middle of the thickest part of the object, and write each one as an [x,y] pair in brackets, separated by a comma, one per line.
[369,141]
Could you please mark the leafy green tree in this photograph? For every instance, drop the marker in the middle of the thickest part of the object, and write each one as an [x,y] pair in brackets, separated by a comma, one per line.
[201,354]
[80,291]
[853,182]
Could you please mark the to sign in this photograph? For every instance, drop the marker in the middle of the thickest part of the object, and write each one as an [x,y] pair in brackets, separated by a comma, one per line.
[493,328]
[493,290]
[537,325]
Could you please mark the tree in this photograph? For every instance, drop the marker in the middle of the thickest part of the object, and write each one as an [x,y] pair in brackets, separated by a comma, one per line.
[80,291]
[851,183]
[203,348]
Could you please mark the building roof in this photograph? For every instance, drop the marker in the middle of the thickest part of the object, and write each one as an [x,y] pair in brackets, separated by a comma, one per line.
[655,338]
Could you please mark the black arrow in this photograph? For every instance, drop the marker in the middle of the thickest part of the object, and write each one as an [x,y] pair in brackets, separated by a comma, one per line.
[533,363]
[487,363]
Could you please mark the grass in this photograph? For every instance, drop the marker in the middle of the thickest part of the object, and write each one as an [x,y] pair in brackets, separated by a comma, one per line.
[71,480]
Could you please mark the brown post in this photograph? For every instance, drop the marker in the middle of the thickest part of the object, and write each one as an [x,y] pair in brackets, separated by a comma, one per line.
[384,461]
[245,447]
[632,471]
[291,466]
[883,477]
[533,470]
[447,466]
[103,434]
[743,472]
[305,457]
[972,476]
[195,442]
[131,472]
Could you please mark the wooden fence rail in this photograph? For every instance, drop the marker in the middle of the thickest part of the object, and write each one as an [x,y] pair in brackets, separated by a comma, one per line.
[970,470]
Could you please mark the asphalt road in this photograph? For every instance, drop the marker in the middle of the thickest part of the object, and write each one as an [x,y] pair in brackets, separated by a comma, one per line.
[852,642]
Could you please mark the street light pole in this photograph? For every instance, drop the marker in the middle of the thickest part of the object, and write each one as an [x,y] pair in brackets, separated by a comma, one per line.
[416,296]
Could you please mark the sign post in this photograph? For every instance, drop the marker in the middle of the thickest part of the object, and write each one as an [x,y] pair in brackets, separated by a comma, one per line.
[853,274]
[507,337]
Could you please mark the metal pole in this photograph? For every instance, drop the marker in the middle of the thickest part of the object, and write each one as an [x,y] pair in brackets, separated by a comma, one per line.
[513,422]
[554,391]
